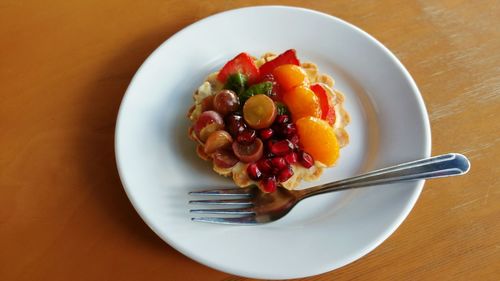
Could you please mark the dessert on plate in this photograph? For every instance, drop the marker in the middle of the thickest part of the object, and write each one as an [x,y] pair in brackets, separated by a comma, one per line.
[270,121]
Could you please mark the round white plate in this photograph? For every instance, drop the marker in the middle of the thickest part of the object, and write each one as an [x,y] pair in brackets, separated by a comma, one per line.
[158,164]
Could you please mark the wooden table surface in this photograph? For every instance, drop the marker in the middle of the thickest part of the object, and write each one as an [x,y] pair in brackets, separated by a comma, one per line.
[64,67]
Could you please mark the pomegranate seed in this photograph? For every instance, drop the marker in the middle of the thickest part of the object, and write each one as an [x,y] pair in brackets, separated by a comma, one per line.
[284,130]
[291,158]
[269,144]
[269,155]
[235,124]
[273,95]
[240,127]
[289,129]
[285,173]
[268,77]
[266,133]
[246,137]
[278,163]
[282,147]
[295,140]
[253,172]
[268,184]
[306,159]
[265,166]
[276,89]
[282,119]
[276,128]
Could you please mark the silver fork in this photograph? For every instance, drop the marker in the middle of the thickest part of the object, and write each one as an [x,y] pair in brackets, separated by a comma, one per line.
[251,206]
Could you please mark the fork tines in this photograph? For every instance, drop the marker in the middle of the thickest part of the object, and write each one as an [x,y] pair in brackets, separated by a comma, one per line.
[245,192]
[249,220]
[242,206]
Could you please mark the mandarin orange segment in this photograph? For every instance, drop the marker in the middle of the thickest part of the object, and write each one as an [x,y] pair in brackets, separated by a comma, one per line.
[302,102]
[318,139]
[290,76]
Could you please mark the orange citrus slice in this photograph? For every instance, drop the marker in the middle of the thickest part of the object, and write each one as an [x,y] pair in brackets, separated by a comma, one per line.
[318,139]
[302,102]
[289,76]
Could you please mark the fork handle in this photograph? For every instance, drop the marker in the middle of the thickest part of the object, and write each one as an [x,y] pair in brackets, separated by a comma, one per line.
[452,164]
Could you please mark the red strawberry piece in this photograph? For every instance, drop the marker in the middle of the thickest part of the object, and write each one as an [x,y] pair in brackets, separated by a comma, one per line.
[242,63]
[326,103]
[288,57]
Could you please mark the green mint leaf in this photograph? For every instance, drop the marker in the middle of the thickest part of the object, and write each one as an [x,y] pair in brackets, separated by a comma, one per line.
[236,82]
[282,109]
[264,88]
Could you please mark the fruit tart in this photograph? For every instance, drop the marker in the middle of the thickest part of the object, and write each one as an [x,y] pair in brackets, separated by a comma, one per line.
[270,121]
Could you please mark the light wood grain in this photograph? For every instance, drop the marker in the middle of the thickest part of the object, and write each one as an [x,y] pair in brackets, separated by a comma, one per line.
[64,67]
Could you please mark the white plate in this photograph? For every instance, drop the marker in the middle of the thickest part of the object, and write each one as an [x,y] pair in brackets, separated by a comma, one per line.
[158,165]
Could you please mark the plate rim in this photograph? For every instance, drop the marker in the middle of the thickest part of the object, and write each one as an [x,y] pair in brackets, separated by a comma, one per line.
[353,257]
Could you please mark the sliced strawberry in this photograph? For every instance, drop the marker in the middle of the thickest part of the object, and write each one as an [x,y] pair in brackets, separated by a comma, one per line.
[288,57]
[326,103]
[242,63]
